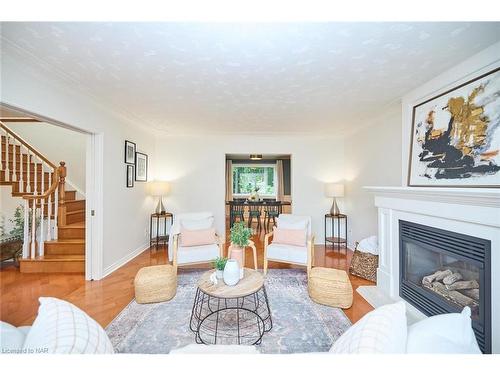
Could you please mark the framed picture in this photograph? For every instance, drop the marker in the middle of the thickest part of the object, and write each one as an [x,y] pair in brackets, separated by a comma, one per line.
[130,176]
[455,138]
[129,152]
[141,167]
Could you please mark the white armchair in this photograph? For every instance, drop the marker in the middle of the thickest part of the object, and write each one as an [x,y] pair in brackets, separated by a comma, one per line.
[189,255]
[299,255]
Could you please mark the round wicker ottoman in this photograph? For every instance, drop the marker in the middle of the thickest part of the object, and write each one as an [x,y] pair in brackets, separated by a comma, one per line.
[330,287]
[155,284]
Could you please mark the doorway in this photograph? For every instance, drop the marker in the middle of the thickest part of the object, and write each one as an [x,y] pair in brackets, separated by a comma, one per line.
[258,189]
[69,227]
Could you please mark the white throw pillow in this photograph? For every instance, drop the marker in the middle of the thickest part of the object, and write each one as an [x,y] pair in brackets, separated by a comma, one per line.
[11,339]
[383,330]
[443,334]
[197,224]
[292,222]
[61,327]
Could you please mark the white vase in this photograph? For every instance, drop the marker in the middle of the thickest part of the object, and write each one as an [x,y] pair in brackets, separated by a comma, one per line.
[219,274]
[231,272]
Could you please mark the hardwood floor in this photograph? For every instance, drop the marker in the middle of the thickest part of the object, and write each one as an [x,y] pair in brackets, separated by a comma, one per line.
[105,298]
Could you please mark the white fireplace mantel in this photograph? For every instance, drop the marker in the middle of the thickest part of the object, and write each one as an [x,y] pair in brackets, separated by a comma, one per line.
[475,212]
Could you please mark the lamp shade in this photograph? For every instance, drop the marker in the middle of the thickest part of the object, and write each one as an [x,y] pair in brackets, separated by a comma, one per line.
[334,190]
[159,188]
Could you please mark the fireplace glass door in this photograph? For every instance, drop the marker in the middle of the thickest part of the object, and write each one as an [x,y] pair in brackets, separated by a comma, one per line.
[444,276]
[443,271]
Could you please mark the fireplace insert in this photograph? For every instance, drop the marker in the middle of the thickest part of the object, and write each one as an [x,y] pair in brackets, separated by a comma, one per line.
[443,271]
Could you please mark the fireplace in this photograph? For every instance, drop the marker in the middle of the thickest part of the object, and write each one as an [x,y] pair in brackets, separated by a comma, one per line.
[443,271]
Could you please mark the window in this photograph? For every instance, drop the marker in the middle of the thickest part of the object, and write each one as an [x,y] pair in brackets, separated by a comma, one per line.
[249,177]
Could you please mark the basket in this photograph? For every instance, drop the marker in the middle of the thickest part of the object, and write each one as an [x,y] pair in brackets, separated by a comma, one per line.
[364,265]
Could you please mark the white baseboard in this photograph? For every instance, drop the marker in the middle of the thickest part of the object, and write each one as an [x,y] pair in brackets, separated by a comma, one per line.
[124,260]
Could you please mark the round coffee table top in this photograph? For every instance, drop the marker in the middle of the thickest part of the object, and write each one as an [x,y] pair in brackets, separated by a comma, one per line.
[251,282]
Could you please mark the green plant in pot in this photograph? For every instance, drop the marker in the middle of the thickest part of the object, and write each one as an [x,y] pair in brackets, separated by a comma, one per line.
[219,264]
[240,234]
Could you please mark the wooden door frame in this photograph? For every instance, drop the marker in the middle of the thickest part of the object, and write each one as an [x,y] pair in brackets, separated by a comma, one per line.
[94,207]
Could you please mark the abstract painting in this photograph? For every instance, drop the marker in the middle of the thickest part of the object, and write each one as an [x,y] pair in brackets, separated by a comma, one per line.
[456,136]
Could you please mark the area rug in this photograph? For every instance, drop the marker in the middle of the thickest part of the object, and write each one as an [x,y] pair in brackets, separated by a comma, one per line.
[299,324]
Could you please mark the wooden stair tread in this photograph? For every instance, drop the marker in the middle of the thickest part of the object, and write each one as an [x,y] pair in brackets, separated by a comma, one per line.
[56,258]
[66,241]
[78,225]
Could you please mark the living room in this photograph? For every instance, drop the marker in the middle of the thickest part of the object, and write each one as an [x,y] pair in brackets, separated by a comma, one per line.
[251,187]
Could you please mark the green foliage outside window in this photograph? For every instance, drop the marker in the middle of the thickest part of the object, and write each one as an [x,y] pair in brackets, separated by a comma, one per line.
[246,180]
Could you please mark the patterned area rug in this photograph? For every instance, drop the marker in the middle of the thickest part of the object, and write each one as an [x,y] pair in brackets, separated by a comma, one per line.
[299,324]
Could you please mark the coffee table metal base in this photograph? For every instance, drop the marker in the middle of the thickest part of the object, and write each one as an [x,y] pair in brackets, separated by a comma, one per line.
[229,321]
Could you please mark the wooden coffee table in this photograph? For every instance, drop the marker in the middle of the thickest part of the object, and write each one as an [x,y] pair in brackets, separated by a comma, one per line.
[236,314]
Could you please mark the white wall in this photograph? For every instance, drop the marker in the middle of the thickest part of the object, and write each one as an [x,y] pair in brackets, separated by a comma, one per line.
[195,166]
[56,144]
[125,211]
[372,157]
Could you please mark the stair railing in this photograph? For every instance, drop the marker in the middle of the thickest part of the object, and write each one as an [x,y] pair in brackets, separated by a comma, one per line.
[26,168]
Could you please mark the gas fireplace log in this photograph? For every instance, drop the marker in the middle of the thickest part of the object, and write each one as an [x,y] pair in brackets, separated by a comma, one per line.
[438,275]
[472,293]
[459,285]
[452,295]
[448,280]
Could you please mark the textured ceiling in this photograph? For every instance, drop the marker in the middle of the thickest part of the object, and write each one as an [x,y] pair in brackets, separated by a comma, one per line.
[248,78]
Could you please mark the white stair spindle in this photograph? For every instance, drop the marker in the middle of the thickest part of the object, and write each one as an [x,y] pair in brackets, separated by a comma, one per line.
[56,211]
[1,157]
[28,172]
[42,209]
[33,229]
[21,170]
[7,168]
[35,187]
[49,211]
[14,160]
[26,231]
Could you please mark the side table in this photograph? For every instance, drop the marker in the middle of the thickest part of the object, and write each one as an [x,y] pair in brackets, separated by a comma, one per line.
[159,236]
[251,244]
[334,236]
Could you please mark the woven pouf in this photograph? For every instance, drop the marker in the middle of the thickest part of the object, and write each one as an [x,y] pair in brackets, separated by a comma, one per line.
[330,287]
[155,284]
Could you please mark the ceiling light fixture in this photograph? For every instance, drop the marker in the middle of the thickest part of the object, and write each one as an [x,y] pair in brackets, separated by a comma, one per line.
[256,157]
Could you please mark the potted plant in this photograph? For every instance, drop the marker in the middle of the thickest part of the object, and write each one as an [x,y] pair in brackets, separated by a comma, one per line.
[240,234]
[219,264]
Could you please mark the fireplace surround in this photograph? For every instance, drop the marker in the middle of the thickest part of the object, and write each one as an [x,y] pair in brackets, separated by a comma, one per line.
[469,212]
[443,271]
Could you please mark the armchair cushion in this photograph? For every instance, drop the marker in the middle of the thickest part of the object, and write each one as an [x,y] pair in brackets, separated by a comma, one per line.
[294,237]
[197,237]
[289,221]
[197,224]
[287,253]
[195,254]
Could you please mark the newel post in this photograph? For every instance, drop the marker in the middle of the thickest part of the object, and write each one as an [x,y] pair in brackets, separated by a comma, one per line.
[62,193]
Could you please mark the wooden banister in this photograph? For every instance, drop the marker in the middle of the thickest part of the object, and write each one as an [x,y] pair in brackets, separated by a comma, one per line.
[27,145]
[49,191]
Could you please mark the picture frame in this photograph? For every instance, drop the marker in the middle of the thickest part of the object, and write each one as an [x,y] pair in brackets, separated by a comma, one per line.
[130,175]
[455,136]
[141,167]
[130,149]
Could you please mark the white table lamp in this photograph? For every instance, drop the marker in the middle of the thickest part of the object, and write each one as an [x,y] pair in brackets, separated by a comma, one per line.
[334,191]
[159,189]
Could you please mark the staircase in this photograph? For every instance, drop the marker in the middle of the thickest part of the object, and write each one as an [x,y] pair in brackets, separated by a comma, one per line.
[54,237]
